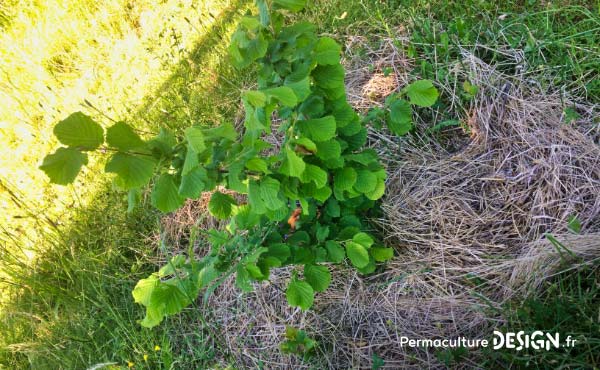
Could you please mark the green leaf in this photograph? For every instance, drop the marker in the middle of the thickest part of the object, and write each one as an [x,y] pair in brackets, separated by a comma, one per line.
[318,277]
[345,178]
[224,131]
[335,251]
[366,181]
[358,255]
[80,131]
[255,198]
[192,184]
[306,144]
[322,194]
[165,195]
[283,95]
[331,79]
[220,205]
[322,232]
[255,98]
[301,88]
[363,239]
[315,174]
[134,196]
[258,165]
[400,121]
[300,294]
[573,224]
[378,191]
[195,139]
[121,136]
[191,161]
[382,254]
[280,251]
[328,149]
[242,279]
[63,165]
[327,51]
[318,129]
[132,171]
[291,5]
[293,165]
[422,93]
[269,192]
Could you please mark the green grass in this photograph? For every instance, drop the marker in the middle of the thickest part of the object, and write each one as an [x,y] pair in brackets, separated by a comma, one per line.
[71,257]
[569,304]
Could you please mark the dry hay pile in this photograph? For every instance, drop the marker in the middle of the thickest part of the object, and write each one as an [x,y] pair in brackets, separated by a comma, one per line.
[468,228]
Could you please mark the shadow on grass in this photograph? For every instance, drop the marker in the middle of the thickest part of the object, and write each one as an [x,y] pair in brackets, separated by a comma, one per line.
[73,307]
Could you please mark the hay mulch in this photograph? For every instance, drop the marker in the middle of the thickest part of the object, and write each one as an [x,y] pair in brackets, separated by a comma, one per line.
[467,225]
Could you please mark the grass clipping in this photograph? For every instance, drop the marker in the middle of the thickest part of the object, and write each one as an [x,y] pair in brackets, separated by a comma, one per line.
[468,229]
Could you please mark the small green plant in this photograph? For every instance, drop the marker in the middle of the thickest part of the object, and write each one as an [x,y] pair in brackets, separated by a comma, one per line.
[298,343]
[397,112]
[320,179]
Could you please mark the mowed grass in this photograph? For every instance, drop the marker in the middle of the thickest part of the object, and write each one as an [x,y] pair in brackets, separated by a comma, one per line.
[71,256]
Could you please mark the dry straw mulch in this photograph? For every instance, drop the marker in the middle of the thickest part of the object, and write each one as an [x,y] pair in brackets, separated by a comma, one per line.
[468,228]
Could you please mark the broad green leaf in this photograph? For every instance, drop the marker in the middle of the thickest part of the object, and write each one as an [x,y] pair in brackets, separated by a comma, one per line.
[256,98]
[258,165]
[330,78]
[322,232]
[269,192]
[133,171]
[328,149]
[306,144]
[358,255]
[382,254]
[195,139]
[165,195]
[242,279]
[343,113]
[121,136]
[363,239]
[255,198]
[318,129]
[163,142]
[280,251]
[400,121]
[134,196]
[422,93]
[351,128]
[79,131]
[220,205]
[318,277]
[335,251]
[368,268]
[357,140]
[327,51]
[283,95]
[293,165]
[345,178]
[292,5]
[301,88]
[63,165]
[161,298]
[224,131]
[191,161]
[322,194]
[366,157]
[244,217]
[366,181]
[193,184]
[378,191]
[250,23]
[300,294]
[315,174]
[332,208]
